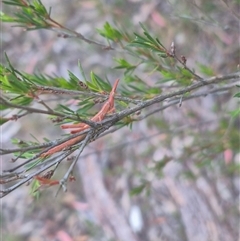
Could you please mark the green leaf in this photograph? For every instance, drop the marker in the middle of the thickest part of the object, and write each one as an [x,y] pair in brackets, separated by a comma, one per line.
[110,32]
[35,138]
[138,88]
[14,3]
[30,16]
[154,90]
[73,79]
[123,64]
[98,84]
[237,95]
[137,190]
[6,18]
[66,109]
[40,8]
[235,113]
[22,100]
[85,108]
[185,73]
[34,191]
[163,55]
[148,35]
[148,42]
[3,107]
[3,120]
[31,165]
[82,71]
[207,70]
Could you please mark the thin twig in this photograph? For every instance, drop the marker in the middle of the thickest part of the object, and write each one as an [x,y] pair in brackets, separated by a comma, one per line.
[122,145]
[176,101]
[71,33]
[57,90]
[24,149]
[70,169]
[120,115]
[50,146]
[45,105]
[102,126]
[46,112]
[127,112]
[4,192]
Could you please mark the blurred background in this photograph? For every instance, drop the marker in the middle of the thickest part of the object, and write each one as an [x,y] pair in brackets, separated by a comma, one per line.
[182,164]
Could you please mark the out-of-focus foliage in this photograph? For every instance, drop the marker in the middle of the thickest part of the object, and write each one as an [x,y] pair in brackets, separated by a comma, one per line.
[164,54]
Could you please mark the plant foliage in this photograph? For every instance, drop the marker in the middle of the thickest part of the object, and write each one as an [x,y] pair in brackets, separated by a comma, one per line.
[143,51]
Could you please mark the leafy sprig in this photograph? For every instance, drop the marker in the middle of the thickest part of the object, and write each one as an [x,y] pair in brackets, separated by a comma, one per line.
[145,54]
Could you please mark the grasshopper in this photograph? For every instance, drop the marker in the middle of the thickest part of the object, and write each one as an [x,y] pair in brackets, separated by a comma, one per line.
[108,107]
